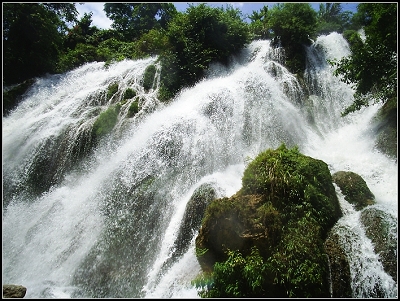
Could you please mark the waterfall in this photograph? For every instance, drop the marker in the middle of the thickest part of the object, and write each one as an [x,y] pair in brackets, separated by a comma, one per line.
[98,220]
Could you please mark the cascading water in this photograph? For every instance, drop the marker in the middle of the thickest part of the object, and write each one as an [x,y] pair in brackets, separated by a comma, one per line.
[85,220]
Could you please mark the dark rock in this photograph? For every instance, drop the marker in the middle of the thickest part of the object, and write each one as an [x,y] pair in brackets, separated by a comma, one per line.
[193,215]
[13,291]
[13,95]
[340,277]
[239,224]
[381,228]
[386,128]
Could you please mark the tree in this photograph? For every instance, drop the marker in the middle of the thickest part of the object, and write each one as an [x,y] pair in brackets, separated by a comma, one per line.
[81,32]
[259,23]
[332,18]
[197,38]
[32,38]
[372,66]
[292,25]
[136,19]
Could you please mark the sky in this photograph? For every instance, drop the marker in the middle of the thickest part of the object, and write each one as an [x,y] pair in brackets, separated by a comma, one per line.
[101,21]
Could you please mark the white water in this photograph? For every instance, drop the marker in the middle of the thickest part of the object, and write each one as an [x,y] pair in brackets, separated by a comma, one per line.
[97,233]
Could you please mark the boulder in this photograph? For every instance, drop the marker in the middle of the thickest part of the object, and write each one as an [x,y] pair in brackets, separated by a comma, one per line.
[381,228]
[340,277]
[13,291]
[285,208]
[193,215]
[354,189]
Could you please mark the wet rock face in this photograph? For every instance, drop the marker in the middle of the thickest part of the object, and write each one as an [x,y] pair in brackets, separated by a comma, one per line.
[354,188]
[381,228]
[340,277]
[13,291]
[193,215]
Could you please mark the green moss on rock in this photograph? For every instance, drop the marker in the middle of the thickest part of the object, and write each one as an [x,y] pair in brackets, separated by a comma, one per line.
[386,128]
[129,93]
[287,178]
[148,77]
[133,108]
[105,122]
[12,96]
[112,89]
[381,228]
[354,189]
[340,276]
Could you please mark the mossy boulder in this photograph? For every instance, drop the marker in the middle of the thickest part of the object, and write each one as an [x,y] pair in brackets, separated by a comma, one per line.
[133,108]
[381,228]
[287,179]
[354,189]
[129,93]
[237,223]
[112,89]
[285,208]
[105,122]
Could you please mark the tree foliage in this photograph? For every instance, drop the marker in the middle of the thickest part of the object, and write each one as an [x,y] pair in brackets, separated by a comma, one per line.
[197,38]
[331,18]
[372,66]
[292,25]
[36,40]
[259,23]
[136,19]
[32,39]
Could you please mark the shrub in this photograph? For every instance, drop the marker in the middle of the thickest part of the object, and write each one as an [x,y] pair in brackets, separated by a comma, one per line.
[299,265]
[238,276]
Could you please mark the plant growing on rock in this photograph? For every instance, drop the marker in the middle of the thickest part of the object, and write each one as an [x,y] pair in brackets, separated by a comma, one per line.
[354,188]
[267,239]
